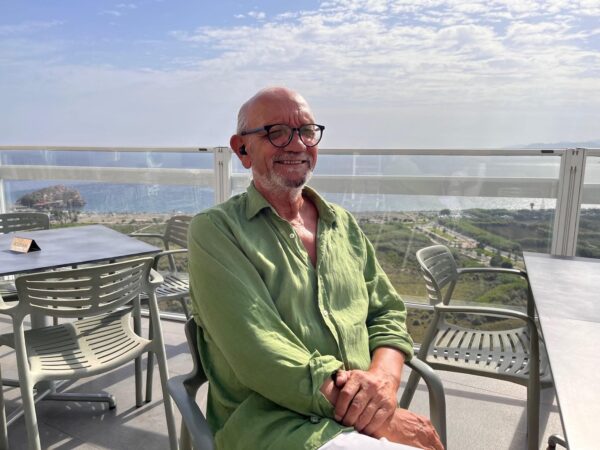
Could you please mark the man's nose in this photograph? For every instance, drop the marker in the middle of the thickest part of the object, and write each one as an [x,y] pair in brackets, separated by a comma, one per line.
[296,144]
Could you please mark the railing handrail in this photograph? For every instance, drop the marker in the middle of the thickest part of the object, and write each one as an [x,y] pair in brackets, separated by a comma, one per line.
[473,151]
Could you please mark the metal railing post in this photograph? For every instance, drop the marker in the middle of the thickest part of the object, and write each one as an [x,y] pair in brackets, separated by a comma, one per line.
[2,197]
[568,202]
[2,192]
[222,174]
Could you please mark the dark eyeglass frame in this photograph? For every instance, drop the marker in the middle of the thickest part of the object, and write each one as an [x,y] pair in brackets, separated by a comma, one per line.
[267,128]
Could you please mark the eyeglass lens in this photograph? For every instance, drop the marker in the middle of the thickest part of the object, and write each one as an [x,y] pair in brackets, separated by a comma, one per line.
[282,135]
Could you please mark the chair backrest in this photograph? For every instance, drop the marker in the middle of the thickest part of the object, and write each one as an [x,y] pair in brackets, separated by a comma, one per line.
[176,231]
[23,221]
[84,292]
[439,271]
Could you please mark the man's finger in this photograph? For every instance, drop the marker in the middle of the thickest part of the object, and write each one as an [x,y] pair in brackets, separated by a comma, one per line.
[347,394]
[366,416]
[356,408]
[341,378]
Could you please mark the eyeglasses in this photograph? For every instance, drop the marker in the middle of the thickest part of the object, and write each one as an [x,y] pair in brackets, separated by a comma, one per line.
[281,135]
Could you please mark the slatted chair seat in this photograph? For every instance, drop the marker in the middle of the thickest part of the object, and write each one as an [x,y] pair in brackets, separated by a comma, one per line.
[84,347]
[500,354]
[174,286]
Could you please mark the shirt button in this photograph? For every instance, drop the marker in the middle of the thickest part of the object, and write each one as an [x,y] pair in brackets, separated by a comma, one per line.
[292,235]
[315,419]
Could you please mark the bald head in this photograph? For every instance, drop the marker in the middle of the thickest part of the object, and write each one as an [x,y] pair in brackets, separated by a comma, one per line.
[270,96]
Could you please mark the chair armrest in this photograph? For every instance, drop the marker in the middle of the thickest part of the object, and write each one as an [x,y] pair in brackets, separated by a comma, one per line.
[169,254]
[437,399]
[507,271]
[194,420]
[499,312]
[504,270]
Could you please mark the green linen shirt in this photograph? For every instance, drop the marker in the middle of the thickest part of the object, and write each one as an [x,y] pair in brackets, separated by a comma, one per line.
[273,327]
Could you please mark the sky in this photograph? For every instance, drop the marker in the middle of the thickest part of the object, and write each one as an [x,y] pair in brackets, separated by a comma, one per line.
[377,73]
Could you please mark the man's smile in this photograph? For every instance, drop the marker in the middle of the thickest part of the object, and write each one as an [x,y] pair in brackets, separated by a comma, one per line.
[292,161]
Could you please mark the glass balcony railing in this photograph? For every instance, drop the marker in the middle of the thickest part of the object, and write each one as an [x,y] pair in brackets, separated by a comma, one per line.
[487,205]
[588,238]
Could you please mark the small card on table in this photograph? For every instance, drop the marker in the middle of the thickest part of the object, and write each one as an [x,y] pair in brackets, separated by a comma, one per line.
[23,245]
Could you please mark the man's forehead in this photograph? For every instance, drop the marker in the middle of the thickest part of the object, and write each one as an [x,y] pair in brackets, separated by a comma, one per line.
[280,109]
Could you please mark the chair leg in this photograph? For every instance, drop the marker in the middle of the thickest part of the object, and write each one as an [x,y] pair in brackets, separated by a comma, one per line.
[164,376]
[185,308]
[137,368]
[149,376]
[149,367]
[33,434]
[137,328]
[3,430]
[533,413]
[533,394]
[185,442]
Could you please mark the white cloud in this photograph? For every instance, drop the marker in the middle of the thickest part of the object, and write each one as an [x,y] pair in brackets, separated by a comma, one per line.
[419,73]
[258,15]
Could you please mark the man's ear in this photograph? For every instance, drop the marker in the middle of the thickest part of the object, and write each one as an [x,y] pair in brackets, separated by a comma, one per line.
[237,145]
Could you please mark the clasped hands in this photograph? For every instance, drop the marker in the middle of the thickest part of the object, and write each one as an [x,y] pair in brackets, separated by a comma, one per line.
[366,400]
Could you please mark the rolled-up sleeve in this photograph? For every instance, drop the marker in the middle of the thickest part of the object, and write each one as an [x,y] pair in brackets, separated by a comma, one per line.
[233,306]
[386,321]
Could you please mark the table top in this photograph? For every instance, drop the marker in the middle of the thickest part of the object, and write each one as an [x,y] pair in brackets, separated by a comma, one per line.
[62,247]
[568,286]
[567,298]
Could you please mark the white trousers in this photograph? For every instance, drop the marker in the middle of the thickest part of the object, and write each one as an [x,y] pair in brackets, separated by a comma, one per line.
[353,440]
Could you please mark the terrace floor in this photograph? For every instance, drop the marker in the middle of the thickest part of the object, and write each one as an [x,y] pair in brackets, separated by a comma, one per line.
[481,413]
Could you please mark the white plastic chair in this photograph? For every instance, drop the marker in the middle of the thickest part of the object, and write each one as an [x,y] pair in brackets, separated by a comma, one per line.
[176,284]
[174,240]
[102,338]
[512,354]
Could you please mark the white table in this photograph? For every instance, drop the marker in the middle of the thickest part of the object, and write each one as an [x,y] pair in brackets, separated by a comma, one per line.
[62,247]
[566,292]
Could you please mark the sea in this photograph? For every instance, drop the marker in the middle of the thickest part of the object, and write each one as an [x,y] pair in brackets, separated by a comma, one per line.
[157,198]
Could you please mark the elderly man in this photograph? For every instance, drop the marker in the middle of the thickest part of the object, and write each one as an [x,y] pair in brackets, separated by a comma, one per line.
[302,336]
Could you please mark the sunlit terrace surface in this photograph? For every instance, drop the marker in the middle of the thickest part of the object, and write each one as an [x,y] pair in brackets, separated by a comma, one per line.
[487,205]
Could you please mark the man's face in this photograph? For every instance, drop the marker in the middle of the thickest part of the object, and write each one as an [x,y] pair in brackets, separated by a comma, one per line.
[275,168]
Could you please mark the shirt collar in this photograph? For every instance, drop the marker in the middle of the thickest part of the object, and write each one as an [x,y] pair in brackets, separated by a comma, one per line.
[256,203]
